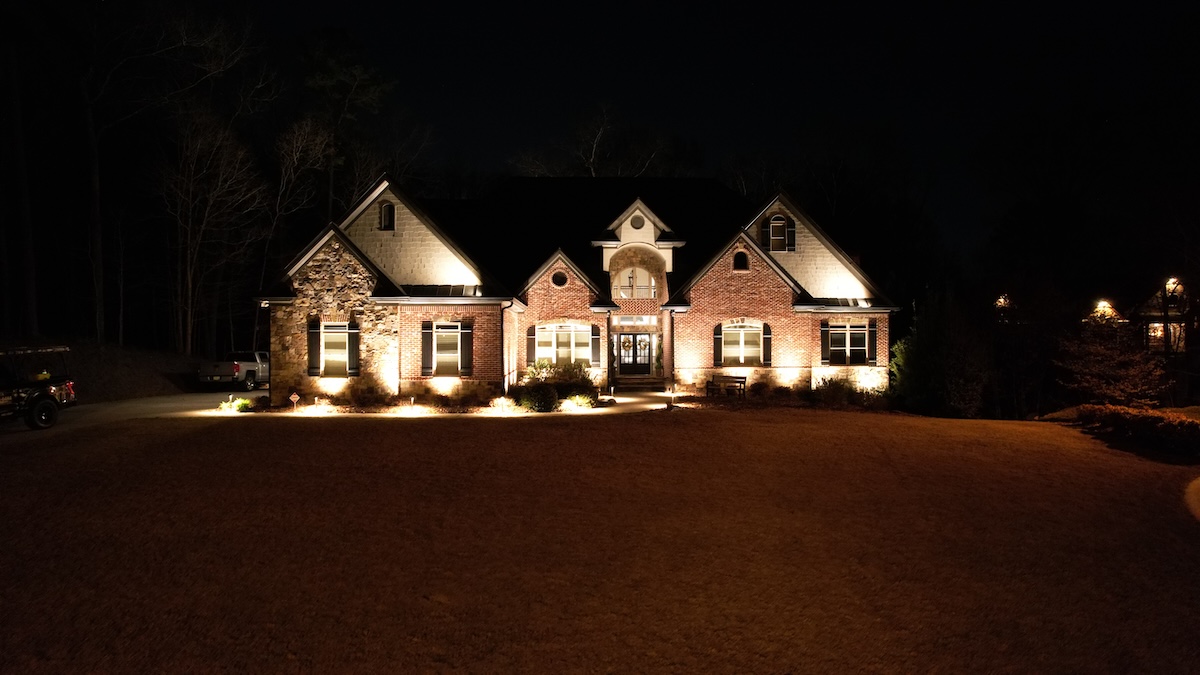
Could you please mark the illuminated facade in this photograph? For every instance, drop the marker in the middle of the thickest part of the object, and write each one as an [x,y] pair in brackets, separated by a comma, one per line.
[387,302]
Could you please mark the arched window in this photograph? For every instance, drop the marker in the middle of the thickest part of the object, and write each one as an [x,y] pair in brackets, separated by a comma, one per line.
[742,342]
[387,217]
[741,261]
[778,233]
[634,282]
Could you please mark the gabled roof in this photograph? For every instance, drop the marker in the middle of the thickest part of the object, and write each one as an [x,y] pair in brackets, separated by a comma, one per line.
[559,255]
[829,244]
[679,299]
[639,205]
[384,183]
[602,302]
[522,222]
[384,285]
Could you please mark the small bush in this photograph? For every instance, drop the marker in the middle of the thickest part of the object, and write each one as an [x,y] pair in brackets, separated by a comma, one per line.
[541,397]
[782,392]
[517,392]
[580,401]
[236,405]
[577,388]
[833,393]
[758,389]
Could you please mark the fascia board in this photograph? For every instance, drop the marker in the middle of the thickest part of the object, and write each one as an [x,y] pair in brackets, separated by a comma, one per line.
[637,205]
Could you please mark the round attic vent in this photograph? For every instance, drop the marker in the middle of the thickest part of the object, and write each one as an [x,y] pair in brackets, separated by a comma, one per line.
[637,222]
[559,279]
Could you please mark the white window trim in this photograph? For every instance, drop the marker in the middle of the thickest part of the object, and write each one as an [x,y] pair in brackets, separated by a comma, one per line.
[848,329]
[447,328]
[741,327]
[549,351]
[329,329]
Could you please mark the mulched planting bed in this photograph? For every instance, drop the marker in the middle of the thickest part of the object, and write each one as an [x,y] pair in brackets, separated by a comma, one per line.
[755,540]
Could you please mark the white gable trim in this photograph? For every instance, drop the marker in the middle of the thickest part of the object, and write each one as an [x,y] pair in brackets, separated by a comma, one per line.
[639,205]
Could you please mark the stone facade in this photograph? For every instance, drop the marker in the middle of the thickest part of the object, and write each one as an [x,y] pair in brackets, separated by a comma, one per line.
[333,285]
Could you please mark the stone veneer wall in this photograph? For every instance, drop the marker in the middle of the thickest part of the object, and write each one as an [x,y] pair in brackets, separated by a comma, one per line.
[550,304]
[760,294]
[332,286]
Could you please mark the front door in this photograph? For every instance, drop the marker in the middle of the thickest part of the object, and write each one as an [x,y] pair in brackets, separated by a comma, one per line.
[634,353]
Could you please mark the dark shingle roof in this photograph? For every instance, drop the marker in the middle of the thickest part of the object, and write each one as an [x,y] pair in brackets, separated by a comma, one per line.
[514,230]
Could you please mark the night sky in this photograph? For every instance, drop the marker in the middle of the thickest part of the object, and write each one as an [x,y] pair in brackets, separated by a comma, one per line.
[1046,144]
[953,89]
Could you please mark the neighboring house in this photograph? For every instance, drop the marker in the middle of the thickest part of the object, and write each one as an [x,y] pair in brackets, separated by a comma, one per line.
[1166,318]
[645,282]
[1168,323]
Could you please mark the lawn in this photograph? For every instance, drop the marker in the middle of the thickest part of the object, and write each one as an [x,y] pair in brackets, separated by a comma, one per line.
[770,540]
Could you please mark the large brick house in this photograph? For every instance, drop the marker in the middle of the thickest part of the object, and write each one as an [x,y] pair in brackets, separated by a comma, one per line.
[649,282]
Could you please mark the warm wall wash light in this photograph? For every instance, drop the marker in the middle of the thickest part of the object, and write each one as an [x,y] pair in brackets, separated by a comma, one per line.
[1104,312]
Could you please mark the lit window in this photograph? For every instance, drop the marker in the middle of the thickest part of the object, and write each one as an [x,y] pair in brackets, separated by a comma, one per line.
[649,320]
[634,282]
[1158,337]
[332,348]
[565,343]
[447,348]
[445,343]
[741,343]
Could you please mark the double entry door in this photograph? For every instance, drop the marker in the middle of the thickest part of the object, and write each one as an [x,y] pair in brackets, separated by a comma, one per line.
[635,353]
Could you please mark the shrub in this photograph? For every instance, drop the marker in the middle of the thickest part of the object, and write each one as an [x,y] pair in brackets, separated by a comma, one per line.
[833,392]
[538,371]
[759,389]
[1152,429]
[782,392]
[579,401]
[236,405]
[541,397]
[568,379]
[584,389]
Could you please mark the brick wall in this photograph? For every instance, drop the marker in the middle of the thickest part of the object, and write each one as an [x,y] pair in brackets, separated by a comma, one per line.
[758,294]
[486,372]
[550,304]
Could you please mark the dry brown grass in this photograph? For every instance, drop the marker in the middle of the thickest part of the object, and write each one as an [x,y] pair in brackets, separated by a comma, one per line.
[692,540]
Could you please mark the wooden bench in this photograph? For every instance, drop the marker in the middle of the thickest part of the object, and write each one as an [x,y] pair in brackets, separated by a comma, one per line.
[724,384]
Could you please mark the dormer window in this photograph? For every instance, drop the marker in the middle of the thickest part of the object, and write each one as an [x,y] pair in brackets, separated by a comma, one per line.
[778,233]
[741,262]
[635,282]
[387,217]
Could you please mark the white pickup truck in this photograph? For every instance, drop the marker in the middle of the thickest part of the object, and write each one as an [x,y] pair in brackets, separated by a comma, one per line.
[245,370]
